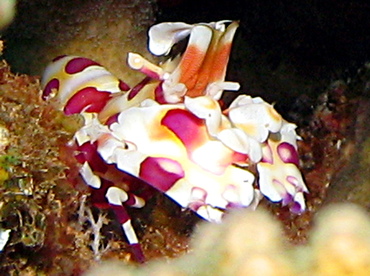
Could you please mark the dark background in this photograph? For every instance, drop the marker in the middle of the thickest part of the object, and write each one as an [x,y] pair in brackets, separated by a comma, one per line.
[285,49]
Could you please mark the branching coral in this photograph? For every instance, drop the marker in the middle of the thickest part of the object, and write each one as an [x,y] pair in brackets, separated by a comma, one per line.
[85,214]
[35,199]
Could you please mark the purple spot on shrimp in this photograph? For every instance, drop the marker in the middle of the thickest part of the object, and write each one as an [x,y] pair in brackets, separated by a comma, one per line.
[78,64]
[199,193]
[58,58]
[287,199]
[88,152]
[135,90]
[88,99]
[198,196]
[98,198]
[137,252]
[294,181]
[195,205]
[279,188]
[112,119]
[131,200]
[159,95]
[186,126]
[120,212]
[233,205]
[287,153]
[161,173]
[150,74]
[50,86]
[296,208]
[123,86]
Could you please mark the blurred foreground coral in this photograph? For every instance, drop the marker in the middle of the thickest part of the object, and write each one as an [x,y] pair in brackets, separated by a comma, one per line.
[252,243]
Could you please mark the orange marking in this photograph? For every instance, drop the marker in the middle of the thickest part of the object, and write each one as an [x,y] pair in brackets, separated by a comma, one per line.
[212,69]
[191,63]
[191,85]
[220,62]
[201,80]
[198,69]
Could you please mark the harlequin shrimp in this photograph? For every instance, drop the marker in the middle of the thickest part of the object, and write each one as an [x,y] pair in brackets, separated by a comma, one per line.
[170,132]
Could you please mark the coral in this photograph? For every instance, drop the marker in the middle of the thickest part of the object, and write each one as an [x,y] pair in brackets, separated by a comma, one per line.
[36,200]
[351,183]
[251,243]
[341,243]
